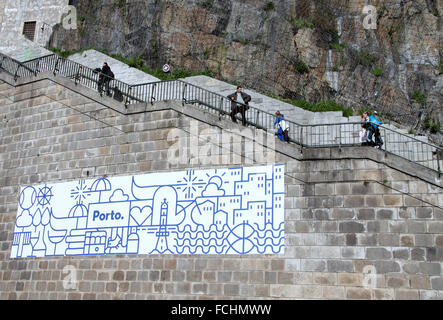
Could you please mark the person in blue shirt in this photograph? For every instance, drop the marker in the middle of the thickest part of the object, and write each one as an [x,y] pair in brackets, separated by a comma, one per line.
[282,127]
[372,124]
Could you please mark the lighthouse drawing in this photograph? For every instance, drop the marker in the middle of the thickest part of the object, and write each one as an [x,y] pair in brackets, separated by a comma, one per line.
[162,234]
[214,211]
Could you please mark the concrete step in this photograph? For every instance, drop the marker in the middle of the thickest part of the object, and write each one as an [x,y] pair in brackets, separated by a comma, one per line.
[317,135]
[347,135]
[94,59]
[22,49]
[259,101]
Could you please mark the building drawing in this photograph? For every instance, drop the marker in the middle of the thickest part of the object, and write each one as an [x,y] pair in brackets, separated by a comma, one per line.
[216,211]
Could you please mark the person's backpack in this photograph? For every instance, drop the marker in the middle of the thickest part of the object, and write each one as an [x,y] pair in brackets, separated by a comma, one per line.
[283,125]
[111,74]
[118,95]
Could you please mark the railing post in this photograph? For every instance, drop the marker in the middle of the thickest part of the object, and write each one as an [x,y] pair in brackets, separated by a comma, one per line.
[78,75]
[221,112]
[16,72]
[438,163]
[36,67]
[183,94]
[127,97]
[339,137]
[152,94]
[301,139]
[56,65]
[1,63]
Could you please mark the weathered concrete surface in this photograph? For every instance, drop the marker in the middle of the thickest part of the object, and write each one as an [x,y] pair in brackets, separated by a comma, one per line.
[46,14]
[94,59]
[340,215]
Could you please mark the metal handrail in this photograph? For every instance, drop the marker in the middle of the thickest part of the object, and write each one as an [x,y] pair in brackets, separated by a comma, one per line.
[305,135]
[39,58]
[15,67]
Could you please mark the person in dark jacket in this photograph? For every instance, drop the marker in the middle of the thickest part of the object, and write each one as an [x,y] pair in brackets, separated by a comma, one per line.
[105,77]
[239,104]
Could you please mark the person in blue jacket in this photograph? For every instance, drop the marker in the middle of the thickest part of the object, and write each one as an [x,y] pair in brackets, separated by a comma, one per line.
[372,127]
[282,128]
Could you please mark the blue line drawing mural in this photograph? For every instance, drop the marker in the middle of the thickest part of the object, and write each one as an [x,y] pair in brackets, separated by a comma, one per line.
[217,211]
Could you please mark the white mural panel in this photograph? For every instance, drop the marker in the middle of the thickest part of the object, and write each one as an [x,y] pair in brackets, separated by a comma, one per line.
[217,211]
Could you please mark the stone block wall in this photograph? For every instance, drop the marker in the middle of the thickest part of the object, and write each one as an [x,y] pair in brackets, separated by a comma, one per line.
[15,13]
[354,228]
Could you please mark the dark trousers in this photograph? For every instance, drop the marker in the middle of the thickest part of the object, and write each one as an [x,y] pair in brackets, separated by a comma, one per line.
[376,133]
[100,86]
[370,133]
[378,139]
[238,109]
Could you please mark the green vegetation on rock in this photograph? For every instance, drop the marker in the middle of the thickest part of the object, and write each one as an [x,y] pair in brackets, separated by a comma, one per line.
[365,58]
[269,6]
[322,106]
[301,67]
[67,53]
[208,4]
[137,63]
[377,72]
[435,127]
[419,97]
[336,46]
[431,125]
[302,24]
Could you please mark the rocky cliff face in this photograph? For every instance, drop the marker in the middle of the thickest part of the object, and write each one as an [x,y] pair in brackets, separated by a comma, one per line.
[311,49]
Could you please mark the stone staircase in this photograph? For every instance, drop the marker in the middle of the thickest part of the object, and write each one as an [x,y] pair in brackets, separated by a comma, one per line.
[265,103]
[406,145]
[94,59]
[323,129]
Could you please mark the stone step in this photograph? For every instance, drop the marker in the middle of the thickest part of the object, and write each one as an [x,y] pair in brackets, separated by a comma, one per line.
[259,101]
[318,135]
[22,49]
[94,59]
